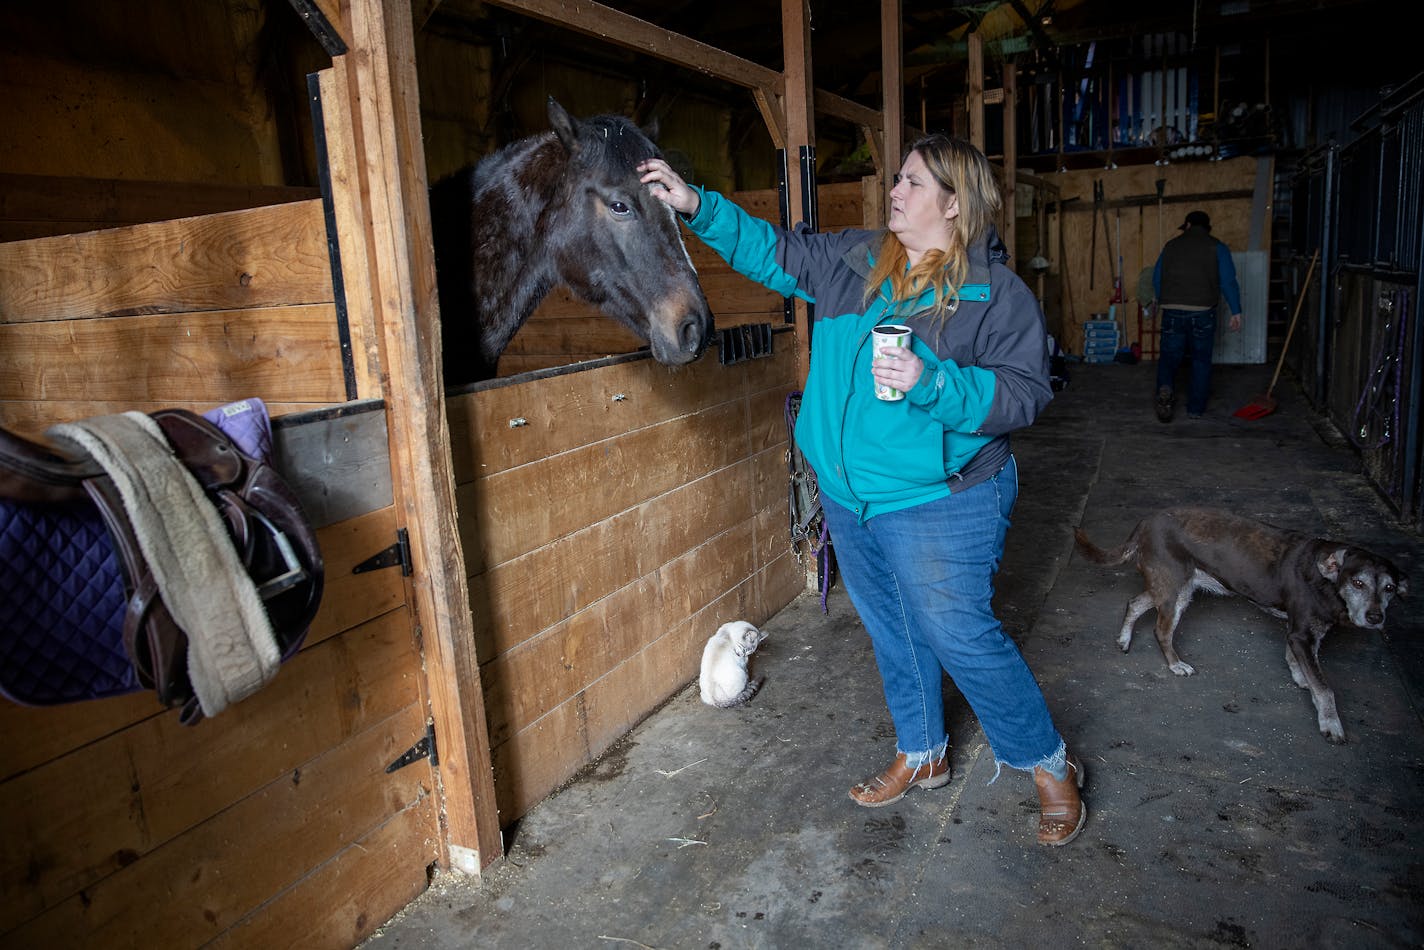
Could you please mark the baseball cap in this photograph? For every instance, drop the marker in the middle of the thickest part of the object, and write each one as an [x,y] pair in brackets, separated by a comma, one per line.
[1196,219]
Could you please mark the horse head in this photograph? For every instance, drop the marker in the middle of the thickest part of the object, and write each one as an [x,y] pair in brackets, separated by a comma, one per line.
[565,206]
[617,246]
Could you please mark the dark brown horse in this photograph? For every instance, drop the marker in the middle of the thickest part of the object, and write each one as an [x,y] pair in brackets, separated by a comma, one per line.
[562,206]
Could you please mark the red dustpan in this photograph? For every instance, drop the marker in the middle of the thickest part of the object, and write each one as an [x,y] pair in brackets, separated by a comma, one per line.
[1263,405]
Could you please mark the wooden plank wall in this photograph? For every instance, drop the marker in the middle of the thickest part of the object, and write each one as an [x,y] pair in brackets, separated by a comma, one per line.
[613,518]
[634,510]
[192,312]
[1145,229]
[565,330]
[275,822]
[45,205]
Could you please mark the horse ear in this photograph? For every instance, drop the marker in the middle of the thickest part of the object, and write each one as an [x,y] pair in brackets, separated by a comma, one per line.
[564,126]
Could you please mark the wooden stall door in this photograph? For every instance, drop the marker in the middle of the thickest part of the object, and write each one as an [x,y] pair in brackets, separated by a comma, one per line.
[276,822]
[612,519]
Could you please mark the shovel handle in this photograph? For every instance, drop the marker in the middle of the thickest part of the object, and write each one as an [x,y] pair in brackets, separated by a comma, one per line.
[1290,331]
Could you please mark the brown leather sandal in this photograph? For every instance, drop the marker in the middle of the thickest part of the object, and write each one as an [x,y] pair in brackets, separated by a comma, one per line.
[891,785]
[1062,813]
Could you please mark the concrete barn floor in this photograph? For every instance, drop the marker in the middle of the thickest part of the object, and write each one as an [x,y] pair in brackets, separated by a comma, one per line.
[1218,815]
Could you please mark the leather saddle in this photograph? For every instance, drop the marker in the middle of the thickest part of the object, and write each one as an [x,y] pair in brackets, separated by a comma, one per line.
[81,615]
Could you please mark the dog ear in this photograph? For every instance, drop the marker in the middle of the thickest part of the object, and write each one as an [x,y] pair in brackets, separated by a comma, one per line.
[1401,587]
[1329,564]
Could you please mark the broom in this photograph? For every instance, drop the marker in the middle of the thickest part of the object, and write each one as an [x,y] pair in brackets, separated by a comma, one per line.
[1263,405]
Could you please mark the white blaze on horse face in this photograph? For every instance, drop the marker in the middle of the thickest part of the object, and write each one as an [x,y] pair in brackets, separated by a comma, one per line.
[653,189]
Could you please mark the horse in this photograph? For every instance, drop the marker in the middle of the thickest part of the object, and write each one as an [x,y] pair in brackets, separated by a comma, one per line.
[565,205]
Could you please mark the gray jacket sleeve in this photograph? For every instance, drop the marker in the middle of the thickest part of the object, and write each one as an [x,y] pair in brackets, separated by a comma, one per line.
[1015,350]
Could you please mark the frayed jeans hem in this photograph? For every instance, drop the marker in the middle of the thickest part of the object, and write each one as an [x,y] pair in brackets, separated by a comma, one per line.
[1055,764]
[914,760]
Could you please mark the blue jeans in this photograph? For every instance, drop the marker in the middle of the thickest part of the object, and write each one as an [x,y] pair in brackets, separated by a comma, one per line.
[922,579]
[1188,333]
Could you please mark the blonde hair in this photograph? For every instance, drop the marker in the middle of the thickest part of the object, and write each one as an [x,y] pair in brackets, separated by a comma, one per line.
[961,170]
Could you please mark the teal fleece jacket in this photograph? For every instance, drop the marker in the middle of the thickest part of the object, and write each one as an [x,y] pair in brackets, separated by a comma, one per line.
[986,366]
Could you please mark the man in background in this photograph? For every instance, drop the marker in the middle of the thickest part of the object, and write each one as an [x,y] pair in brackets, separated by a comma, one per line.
[1193,272]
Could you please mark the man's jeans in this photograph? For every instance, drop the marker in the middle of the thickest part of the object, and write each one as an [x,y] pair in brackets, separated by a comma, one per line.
[922,579]
[1188,333]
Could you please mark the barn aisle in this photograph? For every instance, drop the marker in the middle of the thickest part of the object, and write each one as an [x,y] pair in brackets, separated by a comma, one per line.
[1218,814]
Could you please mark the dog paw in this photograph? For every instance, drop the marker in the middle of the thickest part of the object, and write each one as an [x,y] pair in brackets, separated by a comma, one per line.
[1124,643]
[1182,668]
[1330,725]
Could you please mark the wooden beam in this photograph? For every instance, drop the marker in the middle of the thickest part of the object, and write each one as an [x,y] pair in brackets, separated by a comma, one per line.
[397,222]
[421,11]
[627,31]
[69,205]
[769,103]
[323,18]
[621,29]
[800,132]
[892,83]
[828,103]
[1011,158]
[343,170]
[974,99]
[1070,206]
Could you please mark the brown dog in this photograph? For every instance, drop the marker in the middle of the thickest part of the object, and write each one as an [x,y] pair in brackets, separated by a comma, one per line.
[1312,582]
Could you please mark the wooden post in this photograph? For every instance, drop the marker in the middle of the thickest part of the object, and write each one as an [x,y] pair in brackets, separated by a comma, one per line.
[1011,159]
[1060,121]
[1040,238]
[892,83]
[800,131]
[392,171]
[974,102]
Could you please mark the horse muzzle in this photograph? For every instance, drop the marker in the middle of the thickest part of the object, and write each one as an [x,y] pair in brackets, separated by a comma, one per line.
[680,333]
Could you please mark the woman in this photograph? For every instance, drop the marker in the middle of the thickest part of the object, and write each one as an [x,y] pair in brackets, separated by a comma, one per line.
[917,492]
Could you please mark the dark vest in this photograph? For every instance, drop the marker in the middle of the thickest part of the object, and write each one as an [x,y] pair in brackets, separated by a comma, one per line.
[1190,276]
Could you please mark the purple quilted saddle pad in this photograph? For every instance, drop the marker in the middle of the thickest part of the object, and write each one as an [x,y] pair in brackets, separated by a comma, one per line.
[247,424]
[61,606]
[62,590]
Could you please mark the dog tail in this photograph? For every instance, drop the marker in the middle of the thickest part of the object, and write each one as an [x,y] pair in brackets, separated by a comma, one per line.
[746,694]
[1097,555]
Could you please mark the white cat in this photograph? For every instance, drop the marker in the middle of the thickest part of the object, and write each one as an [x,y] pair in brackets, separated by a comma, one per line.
[724,664]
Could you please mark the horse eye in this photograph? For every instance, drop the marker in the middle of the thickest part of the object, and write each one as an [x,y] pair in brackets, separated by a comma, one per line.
[620,208]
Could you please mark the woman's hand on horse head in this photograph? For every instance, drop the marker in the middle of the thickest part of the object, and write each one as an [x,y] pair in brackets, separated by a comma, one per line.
[669,186]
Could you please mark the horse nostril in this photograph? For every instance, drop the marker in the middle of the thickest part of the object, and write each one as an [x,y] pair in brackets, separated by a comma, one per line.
[690,337]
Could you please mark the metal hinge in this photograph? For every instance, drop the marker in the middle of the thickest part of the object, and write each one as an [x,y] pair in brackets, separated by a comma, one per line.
[398,553]
[424,749]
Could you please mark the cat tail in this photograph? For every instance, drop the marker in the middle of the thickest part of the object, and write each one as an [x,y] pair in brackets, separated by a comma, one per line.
[745,694]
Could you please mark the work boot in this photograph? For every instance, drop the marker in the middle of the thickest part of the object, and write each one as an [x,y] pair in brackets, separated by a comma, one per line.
[891,785]
[1061,812]
[1165,399]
